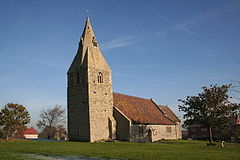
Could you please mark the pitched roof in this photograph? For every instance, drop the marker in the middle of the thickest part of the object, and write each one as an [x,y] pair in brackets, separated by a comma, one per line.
[140,110]
[169,113]
[30,131]
[88,53]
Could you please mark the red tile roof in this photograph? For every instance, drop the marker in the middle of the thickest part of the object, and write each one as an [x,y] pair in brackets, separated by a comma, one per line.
[140,110]
[30,131]
[169,113]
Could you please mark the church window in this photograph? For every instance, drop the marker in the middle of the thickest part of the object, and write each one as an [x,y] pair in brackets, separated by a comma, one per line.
[168,129]
[100,77]
[78,78]
[94,41]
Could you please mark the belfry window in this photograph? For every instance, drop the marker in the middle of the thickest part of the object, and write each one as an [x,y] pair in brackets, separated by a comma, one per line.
[100,77]
[94,41]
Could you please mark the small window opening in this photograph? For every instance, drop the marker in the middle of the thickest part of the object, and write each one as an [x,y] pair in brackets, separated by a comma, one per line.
[78,78]
[100,77]
[94,41]
[168,129]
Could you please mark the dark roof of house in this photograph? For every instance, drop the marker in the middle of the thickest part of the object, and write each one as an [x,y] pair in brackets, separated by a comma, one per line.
[30,131]
[196,126]
[184,132]
[140,110]
[169,113]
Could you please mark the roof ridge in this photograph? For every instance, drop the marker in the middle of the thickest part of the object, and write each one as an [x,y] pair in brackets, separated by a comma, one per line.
[170,111]
[132,96]
[164,114]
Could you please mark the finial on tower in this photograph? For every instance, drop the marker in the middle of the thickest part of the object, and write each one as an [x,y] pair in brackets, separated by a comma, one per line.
[88,29]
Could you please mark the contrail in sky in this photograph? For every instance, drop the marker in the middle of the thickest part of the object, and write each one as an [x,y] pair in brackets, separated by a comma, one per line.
[177,25]
[174,24]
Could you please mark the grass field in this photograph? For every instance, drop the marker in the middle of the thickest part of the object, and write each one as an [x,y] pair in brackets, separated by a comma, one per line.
[169,150]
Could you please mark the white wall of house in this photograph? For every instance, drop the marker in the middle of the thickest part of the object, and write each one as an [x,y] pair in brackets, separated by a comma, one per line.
[31,136]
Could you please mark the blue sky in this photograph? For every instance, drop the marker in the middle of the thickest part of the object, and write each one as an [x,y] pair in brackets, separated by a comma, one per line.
[165,50]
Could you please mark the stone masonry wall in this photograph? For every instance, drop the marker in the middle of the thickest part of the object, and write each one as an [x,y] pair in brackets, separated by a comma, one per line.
[151,133]
[78,111]
[122,126]
[100,104]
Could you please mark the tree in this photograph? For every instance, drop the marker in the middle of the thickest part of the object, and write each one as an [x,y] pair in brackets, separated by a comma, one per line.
[13,116]
[211,108]
[236,87]
[236,90]
[51,118]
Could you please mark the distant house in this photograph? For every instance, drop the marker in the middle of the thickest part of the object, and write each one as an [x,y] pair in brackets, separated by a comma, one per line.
[185,134]
[28,133]
[199,131]
[58,133]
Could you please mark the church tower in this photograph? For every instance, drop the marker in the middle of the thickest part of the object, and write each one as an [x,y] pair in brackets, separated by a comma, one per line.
[89,92]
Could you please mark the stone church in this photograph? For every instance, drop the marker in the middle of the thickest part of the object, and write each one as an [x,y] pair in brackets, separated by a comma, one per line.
[95,113]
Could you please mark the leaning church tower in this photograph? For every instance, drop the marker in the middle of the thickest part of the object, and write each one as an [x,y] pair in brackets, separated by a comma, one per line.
[89,92]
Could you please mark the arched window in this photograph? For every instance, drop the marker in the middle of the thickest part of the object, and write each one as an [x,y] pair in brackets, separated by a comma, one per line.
[100,77]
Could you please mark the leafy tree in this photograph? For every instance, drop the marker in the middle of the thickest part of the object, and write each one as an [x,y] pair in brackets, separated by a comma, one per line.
[13,116]
[236,87]
[236,90]
[211,108]
[51,118]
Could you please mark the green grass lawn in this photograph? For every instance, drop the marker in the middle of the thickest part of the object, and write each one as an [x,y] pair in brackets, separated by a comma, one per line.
[169,150]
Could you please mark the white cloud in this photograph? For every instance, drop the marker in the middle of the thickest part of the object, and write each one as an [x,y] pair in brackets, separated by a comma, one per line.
[140,66]
[144,79]
[118,42]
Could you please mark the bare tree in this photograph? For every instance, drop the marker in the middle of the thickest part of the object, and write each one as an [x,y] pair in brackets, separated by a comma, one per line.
[51,119]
